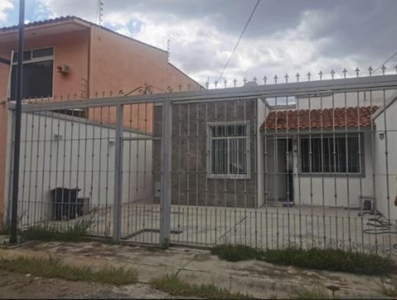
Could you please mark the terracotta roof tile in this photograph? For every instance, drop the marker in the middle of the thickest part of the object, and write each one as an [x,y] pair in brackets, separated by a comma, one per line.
[317,118]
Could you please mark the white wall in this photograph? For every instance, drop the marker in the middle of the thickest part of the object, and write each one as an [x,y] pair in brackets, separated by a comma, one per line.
[386,179]
[376,98]
[83,158]
[324,188]
[262,112]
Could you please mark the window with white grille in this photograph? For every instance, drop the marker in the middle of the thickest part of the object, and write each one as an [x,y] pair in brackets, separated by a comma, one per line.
[229,150]
[331,154]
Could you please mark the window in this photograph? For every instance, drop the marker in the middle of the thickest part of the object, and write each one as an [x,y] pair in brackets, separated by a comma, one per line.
[331,154]
[229,148]
[37,74]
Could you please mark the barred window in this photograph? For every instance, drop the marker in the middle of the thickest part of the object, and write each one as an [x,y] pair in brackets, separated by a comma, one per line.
[331,154]
[37,74]
[229,148]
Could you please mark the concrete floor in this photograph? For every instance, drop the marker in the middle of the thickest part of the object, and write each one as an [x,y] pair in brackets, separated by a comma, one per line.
[268,227]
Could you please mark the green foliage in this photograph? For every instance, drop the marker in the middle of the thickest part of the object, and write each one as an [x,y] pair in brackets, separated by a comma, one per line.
[316,292]
[177,287]
[52,268]
[314,258]
[237,252]
[387,291]
[45,232]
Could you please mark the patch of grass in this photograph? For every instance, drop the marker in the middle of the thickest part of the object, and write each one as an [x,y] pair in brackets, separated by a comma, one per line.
[177,287]
[317,292]
[5,227]
[314,258]
[45,232]
[387,291]
[53,268]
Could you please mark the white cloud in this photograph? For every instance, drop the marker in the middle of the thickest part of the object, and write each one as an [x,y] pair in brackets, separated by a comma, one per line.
[4,6]
[307,38]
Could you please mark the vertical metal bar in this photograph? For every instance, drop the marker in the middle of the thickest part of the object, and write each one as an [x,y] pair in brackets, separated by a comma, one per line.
[166,160]
[118,184]
[18,114]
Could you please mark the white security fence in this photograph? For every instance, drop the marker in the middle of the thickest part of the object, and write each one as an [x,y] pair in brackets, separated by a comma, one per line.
[306,164]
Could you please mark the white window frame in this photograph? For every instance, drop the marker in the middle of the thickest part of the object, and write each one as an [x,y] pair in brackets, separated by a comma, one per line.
[34,60]
[209,150]
[331,136]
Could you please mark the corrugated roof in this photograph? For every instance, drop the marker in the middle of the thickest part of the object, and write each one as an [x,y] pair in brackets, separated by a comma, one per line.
[316,118]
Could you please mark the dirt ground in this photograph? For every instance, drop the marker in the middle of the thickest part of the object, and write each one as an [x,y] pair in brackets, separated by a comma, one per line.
[20,286]
[260,279]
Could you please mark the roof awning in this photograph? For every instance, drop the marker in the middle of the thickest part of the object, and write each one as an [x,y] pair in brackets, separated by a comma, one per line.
[330,118]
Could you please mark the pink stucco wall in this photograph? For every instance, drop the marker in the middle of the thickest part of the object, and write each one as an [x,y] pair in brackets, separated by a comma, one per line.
[108,62]
[71,49]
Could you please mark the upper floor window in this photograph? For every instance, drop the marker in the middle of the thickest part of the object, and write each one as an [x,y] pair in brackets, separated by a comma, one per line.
[229,150]
[37,74]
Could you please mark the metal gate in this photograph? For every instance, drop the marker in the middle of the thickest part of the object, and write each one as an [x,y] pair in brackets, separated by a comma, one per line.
[268,165]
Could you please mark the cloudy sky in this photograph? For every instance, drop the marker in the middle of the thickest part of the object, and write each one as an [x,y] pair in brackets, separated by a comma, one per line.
[284,36]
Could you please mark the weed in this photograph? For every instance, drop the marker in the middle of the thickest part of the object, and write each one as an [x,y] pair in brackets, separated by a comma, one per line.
[52,268]
[321,259]
[317,292]
[47,232]
[5,226]
[236,252]
[177,287]
[387,291]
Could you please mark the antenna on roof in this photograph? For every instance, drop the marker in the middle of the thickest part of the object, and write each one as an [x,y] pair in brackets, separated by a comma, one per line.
[169,47]
[100,11]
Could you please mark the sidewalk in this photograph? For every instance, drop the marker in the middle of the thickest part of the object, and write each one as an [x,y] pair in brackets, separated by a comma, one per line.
[259,279]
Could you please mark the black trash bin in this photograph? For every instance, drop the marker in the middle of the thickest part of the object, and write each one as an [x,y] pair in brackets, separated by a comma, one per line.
[64,202]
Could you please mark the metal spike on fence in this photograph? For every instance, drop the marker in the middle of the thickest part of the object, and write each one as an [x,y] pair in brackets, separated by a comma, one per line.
[180,87]
[235,82]
[286,78]
[308,76]
[395,67]
[245,80]
[216,84]
[321,75]
[225,83]
[255,80]
[264,80]
[332,73]
[383,69]
[370,70]
[297,77]
[275,79]
[344,72]
[357,70]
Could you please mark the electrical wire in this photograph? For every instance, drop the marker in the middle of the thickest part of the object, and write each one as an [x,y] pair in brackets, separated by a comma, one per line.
[385,62]
[239,39]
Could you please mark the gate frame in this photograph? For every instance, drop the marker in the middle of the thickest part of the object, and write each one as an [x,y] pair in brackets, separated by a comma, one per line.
[310,88]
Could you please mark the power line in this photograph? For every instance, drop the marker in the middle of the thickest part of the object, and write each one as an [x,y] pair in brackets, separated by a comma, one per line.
[385,62]
[239,39]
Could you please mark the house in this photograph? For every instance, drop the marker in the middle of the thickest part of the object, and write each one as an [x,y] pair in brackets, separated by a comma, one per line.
[309,149]
[70,58]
